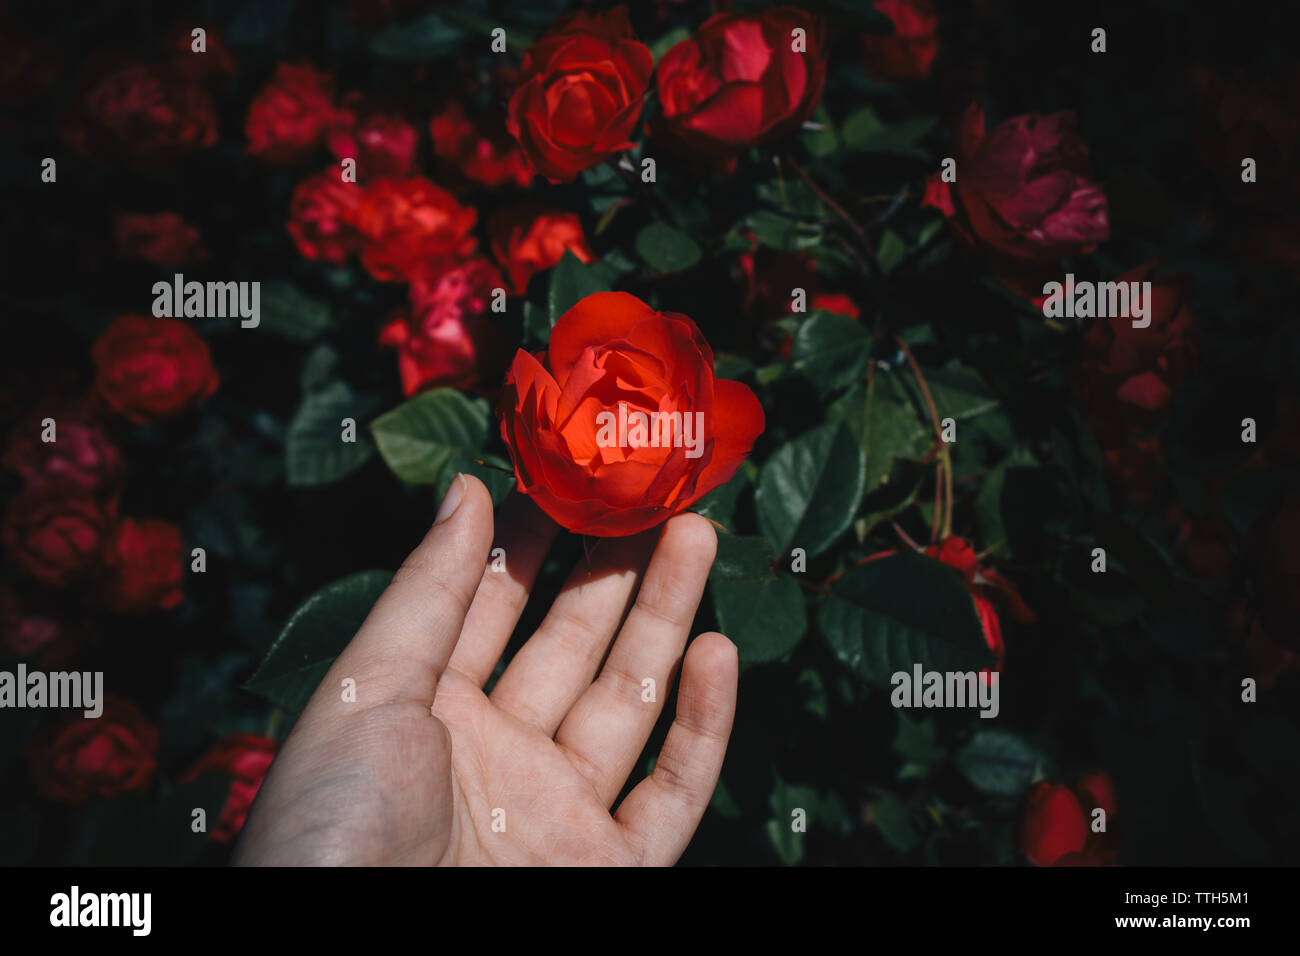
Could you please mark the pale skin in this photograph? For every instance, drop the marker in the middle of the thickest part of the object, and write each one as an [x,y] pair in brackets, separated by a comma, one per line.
[417,769]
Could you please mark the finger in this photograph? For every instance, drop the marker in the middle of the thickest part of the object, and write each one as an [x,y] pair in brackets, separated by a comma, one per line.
[523,536]
[558,663]
[610,723]
[660,815]
[404,644]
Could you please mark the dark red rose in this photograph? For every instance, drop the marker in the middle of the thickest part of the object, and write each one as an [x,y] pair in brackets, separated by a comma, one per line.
[246,758]
[289,117]
[739,81]
[82,453]
[1022,190]
[768,279]
[143,567]
[579,93]
[145,114]
[476,151]
[56,532]
[102,757]
[412,228]
[1052,823]
[161,239]
[383,144]
[445,339]
[907,53]
[527,239]
[610,356]
[322,217]
[37,633]
[148,369]
[834,302]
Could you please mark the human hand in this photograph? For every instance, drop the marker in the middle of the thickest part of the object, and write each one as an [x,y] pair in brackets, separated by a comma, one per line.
[424,768]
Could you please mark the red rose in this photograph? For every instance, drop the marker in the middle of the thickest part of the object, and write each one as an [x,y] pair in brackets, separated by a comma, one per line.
[476,153]
[526,240]
[289,116]
[144,567]
[145,114]
[837,303]
[612,357]
[412,228]
[739,81]
[579,94]
[37,634]
[322,214]
[88,757]
[445,340]
[245,757]
[1022,190]
[907,53]
[56,532]
[148,369]
[161,239]
[383,144]
[82,453]
[1055,823]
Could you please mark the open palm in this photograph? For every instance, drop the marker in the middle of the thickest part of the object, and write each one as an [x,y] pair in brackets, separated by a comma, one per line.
[424,768]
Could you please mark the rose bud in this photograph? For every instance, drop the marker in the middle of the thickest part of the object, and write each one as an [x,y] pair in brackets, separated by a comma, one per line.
[577,418]
[83,454]
[161,239]
[56,532]
[288,118]
[1023,189]
[146,115]
[1052,824]
[412,227]
[322,213]
[527,239]
[739,81]
[907,53]
[475,152]
[82,758]
[579,94]
[143,567]
[148,369]
[246,758]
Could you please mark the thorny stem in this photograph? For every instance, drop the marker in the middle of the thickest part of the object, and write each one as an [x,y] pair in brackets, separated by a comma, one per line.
[939,531]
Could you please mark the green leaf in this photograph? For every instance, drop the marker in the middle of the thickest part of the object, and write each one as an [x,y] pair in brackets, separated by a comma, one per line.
[668,41]
[959,392]
[886,423]
[759,610]
[315,452]
[432,435]
[785,799]
[416,41]
[865,131]
[820,141]
[665,249]
[894,612]
[891,252]
[894,820]
[315,634]
[810,489]
[773,229]
[999,762]
[290,313]
[830,350]
[720,504]
[571,282]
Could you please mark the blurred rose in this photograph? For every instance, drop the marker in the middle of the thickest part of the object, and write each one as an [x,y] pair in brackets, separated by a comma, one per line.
[836,303]
[245,757]
[610,349]
[1022,190]
[322,217]
[527,239]
[738,81]
[412,228]
[143,567]
[215,62]
[383,144]
[145,114]
[148,369]
[56,532]
[907,53]
[579,94]
[103,757]
[288,118]
[36,633]
[1056,822]
[82,454]
[477,154]
[161,239]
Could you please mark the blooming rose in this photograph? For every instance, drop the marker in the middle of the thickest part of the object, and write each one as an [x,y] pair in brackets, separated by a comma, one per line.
[322,213]
[245,757]
[56,532]
[738,81]
[161,239]
[288,118]
[579,94]
[82,454]
[1055,822]
[146,114]
[445,340]
[102,757]
[143,567]
[476,151]
[612,350]
[148,369]
[527,239]
[383,144]
[1022,190]
[907,53]
[412,227]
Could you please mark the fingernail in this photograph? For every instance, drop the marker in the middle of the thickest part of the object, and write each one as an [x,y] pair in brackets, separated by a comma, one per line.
[455,494]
